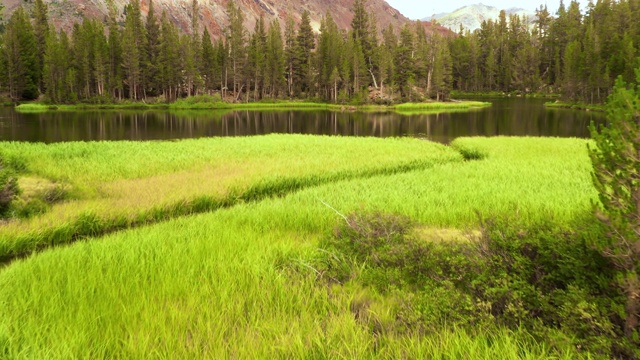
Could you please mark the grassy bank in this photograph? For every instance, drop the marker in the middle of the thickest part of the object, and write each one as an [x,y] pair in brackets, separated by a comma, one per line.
[113,185]
[209,104]
[500,94]
[575,106]
[244,282]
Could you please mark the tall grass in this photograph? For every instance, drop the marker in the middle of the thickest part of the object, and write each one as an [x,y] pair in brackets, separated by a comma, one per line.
[441,105]
[119,185]
[237,282]
[212,103]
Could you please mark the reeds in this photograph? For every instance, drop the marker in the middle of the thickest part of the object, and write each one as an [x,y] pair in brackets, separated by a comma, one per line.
[238,282]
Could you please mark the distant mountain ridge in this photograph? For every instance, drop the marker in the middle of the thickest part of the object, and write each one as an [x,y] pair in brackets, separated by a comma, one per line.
[472,16]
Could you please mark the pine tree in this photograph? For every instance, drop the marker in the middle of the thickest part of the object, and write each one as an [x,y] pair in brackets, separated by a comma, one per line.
[236,35]
[404,66]
[390,43]
[21,57]
[305,43]
[152,52]
[133,45]
[41,31]
[115,75]
[209,65]
[275,59]
[290,46]
[169,60]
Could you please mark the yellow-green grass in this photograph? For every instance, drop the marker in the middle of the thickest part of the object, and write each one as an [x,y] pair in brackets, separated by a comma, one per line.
[209,286]
[237,283]
[278,105]
[116,185]
[441,105]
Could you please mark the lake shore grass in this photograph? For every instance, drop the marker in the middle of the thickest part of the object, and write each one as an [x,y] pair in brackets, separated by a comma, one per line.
[207,104]
[241,281]
[500,94]
[574,106]
[118,185]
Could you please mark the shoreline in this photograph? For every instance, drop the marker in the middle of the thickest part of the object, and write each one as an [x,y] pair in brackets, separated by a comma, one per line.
[284,105]
[574,106]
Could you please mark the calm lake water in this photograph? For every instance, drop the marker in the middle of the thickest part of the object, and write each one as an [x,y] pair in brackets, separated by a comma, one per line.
[506,117]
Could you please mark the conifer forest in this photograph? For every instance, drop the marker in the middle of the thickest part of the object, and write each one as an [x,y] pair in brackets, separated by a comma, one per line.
[575,53]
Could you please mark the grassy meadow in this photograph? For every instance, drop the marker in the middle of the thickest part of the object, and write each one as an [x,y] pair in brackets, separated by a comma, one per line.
[248,280]
[113,185]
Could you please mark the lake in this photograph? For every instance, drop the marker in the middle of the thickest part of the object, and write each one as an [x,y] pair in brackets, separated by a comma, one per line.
[512,116]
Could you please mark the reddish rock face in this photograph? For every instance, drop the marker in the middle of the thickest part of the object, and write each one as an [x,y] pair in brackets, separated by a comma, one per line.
[213,15]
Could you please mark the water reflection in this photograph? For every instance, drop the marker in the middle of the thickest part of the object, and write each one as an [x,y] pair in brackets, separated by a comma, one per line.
[506,117]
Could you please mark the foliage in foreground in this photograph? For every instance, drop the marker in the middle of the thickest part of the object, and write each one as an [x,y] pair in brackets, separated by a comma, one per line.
[8,187]
[547,280]
[616,162]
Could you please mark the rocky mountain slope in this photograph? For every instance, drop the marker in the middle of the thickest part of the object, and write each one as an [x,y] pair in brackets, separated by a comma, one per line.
[213,14]
[472,16]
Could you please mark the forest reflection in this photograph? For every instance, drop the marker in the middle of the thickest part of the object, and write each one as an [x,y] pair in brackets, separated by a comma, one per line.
[511,117]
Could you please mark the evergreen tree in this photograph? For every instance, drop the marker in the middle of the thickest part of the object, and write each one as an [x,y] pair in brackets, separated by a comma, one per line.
[133,46]
[209,65]
[290,48]
[404,61]
[389,48]
[169,60]
[305,43]
[275,59]
[41,31]
[152,52]
[236,35]
[115,75]
[21,57]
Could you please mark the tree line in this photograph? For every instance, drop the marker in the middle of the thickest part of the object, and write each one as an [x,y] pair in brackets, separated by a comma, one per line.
[574,54]
[102,61]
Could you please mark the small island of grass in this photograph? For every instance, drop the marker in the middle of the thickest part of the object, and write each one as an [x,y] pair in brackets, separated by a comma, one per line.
[205,102]
[574,106]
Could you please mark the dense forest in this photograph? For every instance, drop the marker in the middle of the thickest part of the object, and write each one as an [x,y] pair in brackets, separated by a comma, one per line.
[576,55]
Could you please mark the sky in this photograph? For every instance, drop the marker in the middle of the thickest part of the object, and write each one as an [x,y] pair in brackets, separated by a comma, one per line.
[418,9]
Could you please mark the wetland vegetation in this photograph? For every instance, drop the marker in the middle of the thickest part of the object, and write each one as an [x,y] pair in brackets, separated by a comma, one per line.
[403,248]
[305,246]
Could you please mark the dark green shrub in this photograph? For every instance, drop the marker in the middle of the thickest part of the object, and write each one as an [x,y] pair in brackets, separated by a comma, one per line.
[8,188]
[544,278]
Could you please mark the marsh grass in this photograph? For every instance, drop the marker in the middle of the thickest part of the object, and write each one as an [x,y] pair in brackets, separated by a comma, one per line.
[211,103]
[119,185]
[575,106]
[241,282]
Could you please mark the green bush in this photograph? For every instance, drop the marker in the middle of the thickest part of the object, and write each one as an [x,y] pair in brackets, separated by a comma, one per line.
[8,187]
[546,279]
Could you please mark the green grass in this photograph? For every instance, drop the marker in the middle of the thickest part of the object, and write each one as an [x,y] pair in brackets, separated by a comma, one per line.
[500,94]
[209,103]
[238,283]
[575,106]
[115,185]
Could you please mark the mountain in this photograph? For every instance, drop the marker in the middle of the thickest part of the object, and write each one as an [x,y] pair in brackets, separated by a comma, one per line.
[63,14]
[472,16]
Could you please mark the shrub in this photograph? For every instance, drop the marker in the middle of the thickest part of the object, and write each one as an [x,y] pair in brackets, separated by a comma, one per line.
[545,279]
[8,188]
[617,178]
